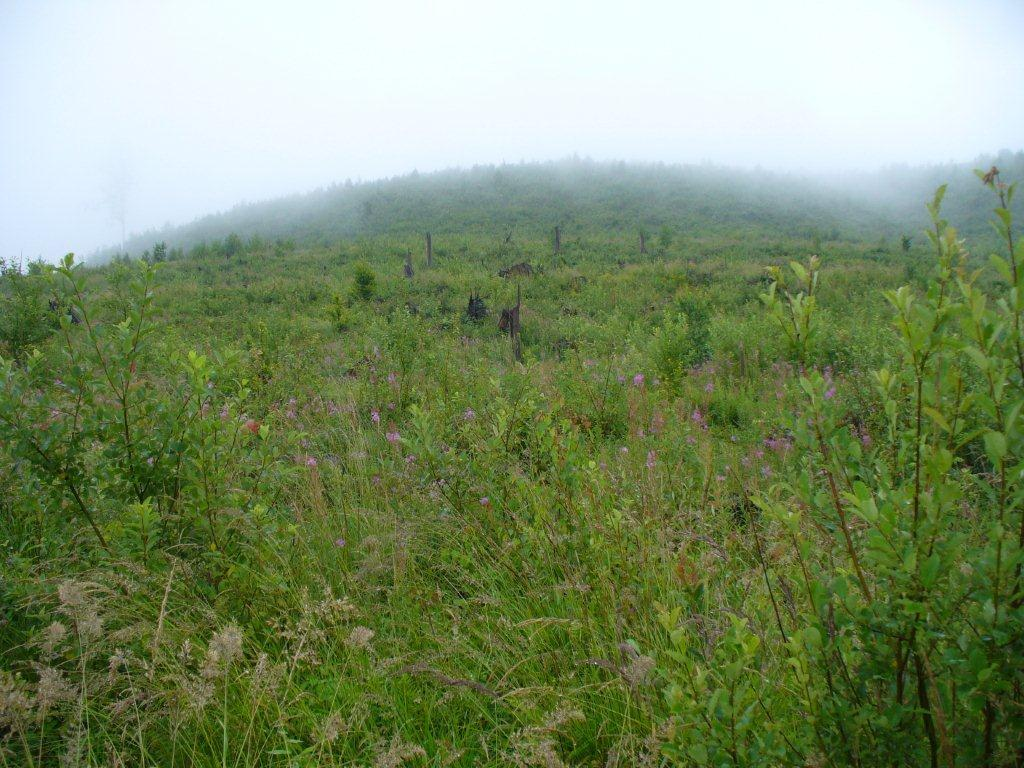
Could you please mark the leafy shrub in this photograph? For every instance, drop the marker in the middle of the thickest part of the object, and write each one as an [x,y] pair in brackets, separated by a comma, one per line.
[145,466]
[25,318]
[364,282]
[340,314]
[233,245]
[895,599]
[791,301]
[682,341]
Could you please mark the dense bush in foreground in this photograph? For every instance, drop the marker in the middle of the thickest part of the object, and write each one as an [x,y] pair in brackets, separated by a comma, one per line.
[293,508]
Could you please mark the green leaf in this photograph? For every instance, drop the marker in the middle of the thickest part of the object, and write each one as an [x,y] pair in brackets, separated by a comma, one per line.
[938,418]
[930,570]
[995,446]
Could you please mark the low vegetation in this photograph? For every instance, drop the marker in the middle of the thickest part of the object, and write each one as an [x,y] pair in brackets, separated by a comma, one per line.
[279,504]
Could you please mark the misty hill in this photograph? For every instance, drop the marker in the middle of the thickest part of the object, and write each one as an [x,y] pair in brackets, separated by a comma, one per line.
[609,199]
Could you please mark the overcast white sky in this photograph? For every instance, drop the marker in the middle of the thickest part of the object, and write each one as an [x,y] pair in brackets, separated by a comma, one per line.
[201,105]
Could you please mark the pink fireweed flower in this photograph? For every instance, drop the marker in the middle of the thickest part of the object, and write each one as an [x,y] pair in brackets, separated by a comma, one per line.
[699,419]
[375,416]
[638,380]
[485,501]
[393,436]
[709,387]
[310,462]
[469,414]
[339,542]
[652,459]
[392,378]
[830,392]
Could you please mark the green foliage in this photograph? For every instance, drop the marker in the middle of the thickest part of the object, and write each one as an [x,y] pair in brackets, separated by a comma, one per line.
[791,302]
[25,319]
[692,528]
[232,245]
[607,201]
[341,315]
[682,340]
[364,282]
[876,529]
[114,448]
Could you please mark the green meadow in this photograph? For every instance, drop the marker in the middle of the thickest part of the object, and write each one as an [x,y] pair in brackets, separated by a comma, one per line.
[752,495]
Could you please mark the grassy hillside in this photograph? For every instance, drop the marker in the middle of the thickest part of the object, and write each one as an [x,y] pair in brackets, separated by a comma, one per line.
[605,200]
[279,504]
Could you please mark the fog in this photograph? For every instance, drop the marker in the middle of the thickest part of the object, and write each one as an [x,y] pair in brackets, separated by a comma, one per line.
[128,115]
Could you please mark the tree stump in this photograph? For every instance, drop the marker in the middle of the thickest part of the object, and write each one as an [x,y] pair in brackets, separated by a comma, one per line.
[509,323]
[477,309]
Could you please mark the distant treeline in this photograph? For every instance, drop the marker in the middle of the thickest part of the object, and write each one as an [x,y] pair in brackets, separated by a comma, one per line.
[614,199]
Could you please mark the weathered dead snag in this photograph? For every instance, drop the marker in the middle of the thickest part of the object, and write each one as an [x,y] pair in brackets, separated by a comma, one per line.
[509,323]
